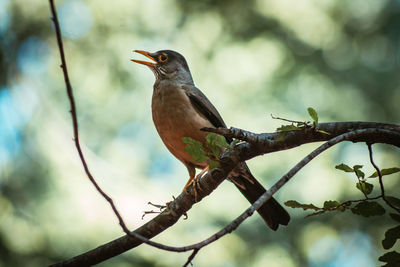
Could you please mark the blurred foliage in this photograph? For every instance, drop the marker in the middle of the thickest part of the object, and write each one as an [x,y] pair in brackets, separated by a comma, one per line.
[251,58]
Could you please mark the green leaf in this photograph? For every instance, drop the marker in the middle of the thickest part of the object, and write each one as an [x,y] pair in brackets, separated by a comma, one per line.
[368,208]
[387,171]
[341,208]
[391,237]
[390,170]
[320,131]
[395,216]
[365,187]
[392,258]
[216,140]
[356,167]
[331,204]
[295,204]
[195,149]
[213,164]
[357,170]
[393,200]
[215,143]
[287,128]
[344,167]
[314,116]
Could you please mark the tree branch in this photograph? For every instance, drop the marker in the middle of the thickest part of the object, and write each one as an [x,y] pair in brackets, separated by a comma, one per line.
[258,144]
[271,142]
[378,171]
[208,183]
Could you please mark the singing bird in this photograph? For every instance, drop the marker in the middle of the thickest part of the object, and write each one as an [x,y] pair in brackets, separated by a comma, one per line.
[180,109]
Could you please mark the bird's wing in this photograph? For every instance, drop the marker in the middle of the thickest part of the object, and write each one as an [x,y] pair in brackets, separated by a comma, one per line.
[203,105]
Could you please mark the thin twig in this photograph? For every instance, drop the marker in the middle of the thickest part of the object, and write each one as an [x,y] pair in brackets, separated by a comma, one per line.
[77,142]
[371,159]
[191,257]
[74,116]
[303,123]
[358,200]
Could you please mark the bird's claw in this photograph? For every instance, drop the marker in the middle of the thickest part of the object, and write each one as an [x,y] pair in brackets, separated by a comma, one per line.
[195,183]
[160,207]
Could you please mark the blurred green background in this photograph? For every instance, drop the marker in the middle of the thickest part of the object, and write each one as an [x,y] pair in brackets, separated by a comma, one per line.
[252,59]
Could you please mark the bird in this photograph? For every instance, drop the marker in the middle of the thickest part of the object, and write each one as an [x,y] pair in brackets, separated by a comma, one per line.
[180,109]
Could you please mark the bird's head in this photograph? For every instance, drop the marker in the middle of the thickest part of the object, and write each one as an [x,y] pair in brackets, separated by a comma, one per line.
[167,65]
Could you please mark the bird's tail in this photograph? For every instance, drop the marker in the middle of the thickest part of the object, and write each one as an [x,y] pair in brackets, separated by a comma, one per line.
[272,212]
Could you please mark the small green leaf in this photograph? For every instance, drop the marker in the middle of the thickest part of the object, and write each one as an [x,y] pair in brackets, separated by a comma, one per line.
[341,208]
[393,200]
[213,164]
[395,216]
[217,140]
[295,204]
[344,167]
[357,170]
[320,131]
[392,258]
[391,237]
[331,204]
[368,208]
[365,187]
[314,116]
[292,204]
[215,143]
[195,149]
[387,171]
[287,128]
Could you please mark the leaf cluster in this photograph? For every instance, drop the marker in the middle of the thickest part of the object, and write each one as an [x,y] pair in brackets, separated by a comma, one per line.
[391,258]
[214,145]
[364,207]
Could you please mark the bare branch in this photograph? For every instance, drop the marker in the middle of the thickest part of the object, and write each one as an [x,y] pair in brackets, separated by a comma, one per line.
[191,257]
[304,123]
[208,182]
[269,142]
[378,171]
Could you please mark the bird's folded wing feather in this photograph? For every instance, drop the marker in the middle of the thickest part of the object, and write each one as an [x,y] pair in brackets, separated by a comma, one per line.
[203,105]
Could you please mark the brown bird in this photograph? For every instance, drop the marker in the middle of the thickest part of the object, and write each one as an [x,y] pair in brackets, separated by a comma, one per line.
[180,110]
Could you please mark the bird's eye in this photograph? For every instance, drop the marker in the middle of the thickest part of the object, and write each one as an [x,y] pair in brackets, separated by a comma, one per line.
[162,58]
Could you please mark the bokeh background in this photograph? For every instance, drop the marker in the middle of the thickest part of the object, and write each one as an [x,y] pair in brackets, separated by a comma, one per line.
[252,59]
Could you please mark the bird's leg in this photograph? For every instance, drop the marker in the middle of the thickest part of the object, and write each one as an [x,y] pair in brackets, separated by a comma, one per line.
[194,180]
[192,173]
[197,179]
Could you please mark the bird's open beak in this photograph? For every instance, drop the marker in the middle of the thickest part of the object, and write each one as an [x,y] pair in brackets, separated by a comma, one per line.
[146,54]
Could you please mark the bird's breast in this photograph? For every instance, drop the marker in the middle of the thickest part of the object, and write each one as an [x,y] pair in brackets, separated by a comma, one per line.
[175,117]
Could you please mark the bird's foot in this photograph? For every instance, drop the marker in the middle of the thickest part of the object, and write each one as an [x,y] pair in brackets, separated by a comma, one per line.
[195,183]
